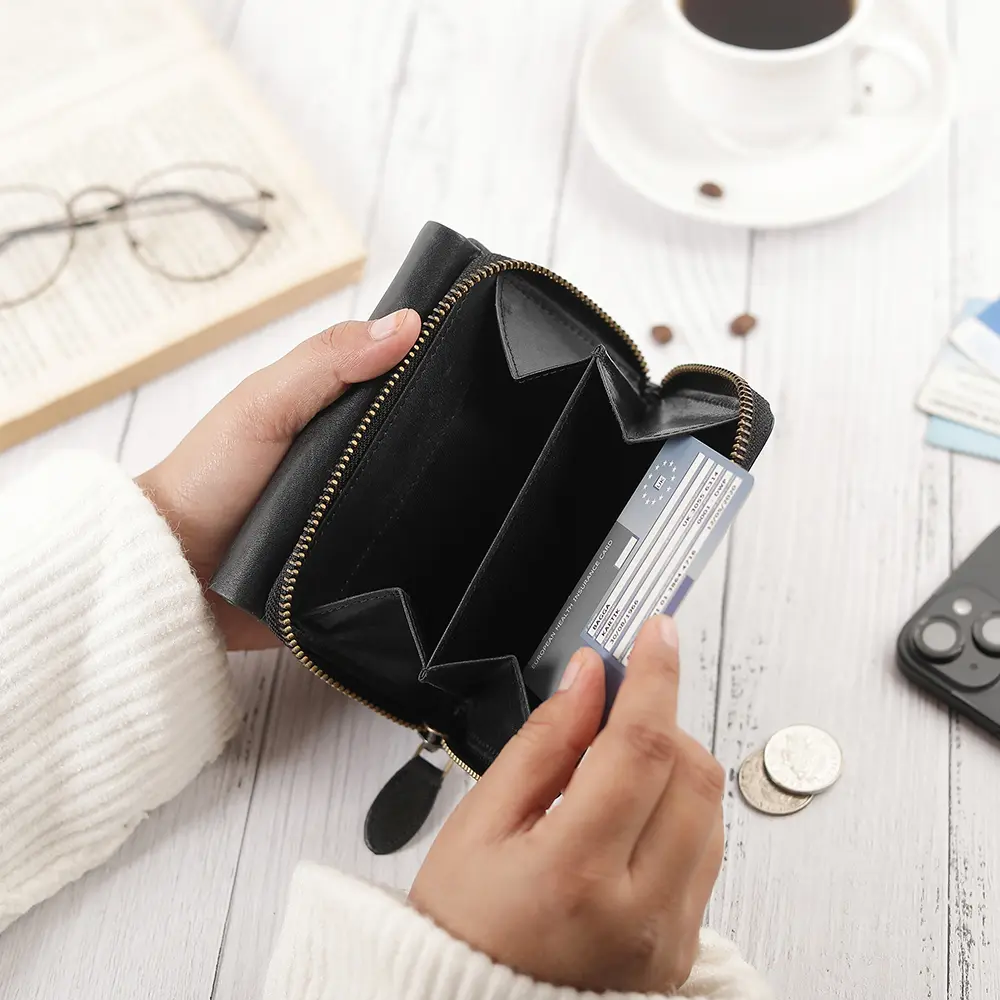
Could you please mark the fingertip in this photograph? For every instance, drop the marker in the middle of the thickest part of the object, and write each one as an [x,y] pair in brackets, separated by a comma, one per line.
[657,637]
[668,631]
[590,672]
[389,341]
[584,691]
[653,667]
[577,662]
[410,324]
[403,324]
[361,350]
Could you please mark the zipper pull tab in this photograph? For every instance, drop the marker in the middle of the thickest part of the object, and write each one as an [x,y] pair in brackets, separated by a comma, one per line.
[402,806]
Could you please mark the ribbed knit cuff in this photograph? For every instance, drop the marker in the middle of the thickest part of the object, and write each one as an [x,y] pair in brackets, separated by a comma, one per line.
[343,938]
[114,689]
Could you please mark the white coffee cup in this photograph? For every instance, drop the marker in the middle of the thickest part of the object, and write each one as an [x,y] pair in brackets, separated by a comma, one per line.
[772,98]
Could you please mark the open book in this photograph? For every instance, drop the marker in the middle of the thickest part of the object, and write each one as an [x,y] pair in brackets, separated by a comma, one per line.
[204,222]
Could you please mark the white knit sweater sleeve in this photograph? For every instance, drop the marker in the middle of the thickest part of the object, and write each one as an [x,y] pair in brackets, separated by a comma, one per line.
[343,939]
[114,689]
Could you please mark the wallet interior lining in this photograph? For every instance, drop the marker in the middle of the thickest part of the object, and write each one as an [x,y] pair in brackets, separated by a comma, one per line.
[426,501]
[576,490]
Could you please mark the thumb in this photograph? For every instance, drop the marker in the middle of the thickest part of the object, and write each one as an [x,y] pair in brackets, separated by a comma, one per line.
[275,403]
[536,765]
[227,459]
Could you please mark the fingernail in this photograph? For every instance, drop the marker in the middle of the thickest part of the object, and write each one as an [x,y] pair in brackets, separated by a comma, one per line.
[387,325]
[571,671]
[668,631]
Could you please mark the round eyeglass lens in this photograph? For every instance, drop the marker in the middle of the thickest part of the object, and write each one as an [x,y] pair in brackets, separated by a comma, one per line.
[196,222]
[35,242]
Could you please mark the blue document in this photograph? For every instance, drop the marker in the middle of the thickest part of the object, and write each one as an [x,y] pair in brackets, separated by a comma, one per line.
[953,435]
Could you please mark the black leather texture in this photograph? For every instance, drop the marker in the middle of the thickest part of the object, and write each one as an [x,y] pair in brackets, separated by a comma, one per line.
[469,509]
[263,544]
[401,807]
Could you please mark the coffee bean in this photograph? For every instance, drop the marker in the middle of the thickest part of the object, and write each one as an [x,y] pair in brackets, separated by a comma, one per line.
[711,190]
[742,325]
[662,334]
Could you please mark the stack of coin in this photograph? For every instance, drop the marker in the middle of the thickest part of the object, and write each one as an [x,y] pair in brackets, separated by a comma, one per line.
[796,763]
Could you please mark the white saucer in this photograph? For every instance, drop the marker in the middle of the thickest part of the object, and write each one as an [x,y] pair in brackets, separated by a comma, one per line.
[627,112]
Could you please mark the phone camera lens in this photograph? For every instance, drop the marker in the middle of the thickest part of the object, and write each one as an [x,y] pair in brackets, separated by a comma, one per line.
[939,639]
[986,632]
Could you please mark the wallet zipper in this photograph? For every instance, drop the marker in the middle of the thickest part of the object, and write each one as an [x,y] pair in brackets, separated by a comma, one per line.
[428,328]
[744,395]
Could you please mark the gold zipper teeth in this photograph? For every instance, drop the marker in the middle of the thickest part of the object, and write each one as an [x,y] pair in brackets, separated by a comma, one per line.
[302,546]
[458,760]
[615,326]
[427,330]
[745,396]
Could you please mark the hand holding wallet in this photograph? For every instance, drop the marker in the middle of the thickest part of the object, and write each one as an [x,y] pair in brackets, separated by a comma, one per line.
[423,531]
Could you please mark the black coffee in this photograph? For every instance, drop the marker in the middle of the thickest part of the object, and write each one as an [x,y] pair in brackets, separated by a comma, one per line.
[768,24]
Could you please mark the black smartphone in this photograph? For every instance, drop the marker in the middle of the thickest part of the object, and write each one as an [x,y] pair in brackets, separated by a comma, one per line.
[951,646]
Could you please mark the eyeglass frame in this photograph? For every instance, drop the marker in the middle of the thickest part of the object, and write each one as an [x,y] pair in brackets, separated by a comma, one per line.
[116,213]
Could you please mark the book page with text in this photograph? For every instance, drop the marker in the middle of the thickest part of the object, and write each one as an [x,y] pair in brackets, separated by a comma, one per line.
[56,53]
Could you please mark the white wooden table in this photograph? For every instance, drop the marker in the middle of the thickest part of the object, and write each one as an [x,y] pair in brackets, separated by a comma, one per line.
[888,886]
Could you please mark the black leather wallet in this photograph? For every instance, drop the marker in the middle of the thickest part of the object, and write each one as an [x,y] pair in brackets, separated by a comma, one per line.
[423,532]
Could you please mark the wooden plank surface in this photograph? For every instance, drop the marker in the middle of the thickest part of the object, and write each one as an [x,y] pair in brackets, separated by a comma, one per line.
[974,973]
[887,886]
[848,529]
[828,561]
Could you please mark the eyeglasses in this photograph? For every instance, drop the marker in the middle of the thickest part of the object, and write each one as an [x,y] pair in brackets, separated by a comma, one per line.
[191,222]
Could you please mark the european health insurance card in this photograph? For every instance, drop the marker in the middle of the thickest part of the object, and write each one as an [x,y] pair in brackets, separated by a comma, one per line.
[655,551]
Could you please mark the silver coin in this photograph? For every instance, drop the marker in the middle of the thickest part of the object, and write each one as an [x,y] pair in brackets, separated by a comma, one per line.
[762,793]
[802,759]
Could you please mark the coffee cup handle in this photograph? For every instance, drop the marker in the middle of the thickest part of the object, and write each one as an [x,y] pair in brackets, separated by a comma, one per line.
[890,76]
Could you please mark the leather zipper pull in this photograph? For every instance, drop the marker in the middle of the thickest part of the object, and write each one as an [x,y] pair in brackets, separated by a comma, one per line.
[402,806]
